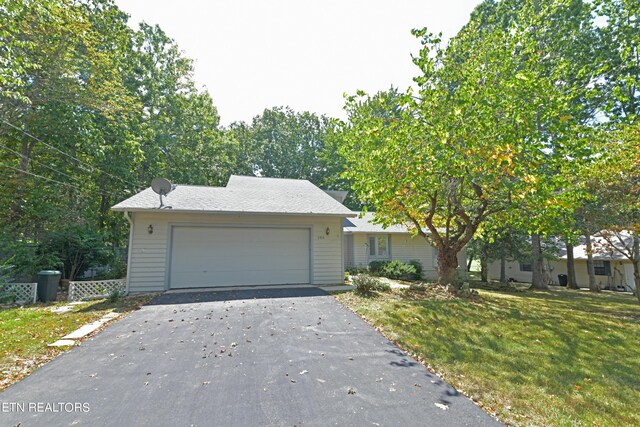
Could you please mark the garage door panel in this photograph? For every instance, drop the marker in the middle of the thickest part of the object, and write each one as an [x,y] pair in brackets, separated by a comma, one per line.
[232,256]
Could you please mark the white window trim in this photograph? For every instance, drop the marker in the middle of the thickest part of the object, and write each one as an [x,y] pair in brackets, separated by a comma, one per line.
[377,237]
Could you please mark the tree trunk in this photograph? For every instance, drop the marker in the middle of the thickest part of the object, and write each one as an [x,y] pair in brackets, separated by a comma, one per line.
[503,269]
[571,268]
[636,264]
[593,287]
[447,265]
[25,156]
[537,267]
[469,262]
[484,268]
[104,208]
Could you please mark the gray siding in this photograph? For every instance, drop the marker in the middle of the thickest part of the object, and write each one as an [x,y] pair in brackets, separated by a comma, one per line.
[621,272]
[403,247]
[150,252]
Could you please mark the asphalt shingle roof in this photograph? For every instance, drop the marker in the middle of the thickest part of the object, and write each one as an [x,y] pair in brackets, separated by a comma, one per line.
[601,249]
[243,194]
[366,225]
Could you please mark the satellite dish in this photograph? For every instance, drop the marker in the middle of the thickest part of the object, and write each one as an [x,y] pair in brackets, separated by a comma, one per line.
[162,187]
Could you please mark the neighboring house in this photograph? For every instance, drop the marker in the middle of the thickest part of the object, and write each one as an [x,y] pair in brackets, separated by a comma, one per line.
[612,269]
[254,231]
[365,241]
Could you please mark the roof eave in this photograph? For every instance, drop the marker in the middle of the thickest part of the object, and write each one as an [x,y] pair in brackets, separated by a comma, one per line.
[204,211]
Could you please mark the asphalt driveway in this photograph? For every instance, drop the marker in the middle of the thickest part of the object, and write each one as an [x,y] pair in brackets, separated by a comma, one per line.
[288,357]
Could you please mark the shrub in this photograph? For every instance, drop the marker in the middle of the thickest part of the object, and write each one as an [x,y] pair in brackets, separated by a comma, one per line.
[398,270]
[356,270]
[6,296]
[116,295]
[116,269]
[419,269]
[75,249]
[375,267]
[383,287]
[367,285]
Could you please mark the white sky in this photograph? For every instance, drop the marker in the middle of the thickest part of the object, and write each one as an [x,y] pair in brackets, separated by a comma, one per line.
[257,54]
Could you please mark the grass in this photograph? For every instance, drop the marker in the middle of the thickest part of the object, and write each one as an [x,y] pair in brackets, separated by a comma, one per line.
[557,357]
[25,332]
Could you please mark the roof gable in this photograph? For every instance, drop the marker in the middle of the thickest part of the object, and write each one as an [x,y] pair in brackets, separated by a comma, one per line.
[243,194]
[364,223]
[600,250]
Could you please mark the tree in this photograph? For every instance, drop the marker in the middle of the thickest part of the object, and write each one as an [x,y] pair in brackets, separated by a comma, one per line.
[470,144]
[497,241]
[90,111]
[74,249]
[286,144]
[57,69]
[616,175]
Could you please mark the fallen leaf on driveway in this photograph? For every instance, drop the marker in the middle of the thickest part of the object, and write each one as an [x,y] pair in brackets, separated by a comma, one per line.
[441,406]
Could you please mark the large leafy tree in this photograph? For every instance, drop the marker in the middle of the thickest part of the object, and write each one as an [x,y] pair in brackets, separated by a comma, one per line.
[282,143]
[474,140]
[615,178]
[62,64]
[91,110]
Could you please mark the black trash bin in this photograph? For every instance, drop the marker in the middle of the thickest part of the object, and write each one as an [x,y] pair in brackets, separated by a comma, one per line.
[48,285]
[563,279]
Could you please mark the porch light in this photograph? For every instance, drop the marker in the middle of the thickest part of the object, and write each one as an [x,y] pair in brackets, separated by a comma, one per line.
[150,229]
[327,231]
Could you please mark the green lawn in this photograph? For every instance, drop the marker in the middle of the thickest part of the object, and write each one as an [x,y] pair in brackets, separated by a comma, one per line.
[560,357]
[25,333]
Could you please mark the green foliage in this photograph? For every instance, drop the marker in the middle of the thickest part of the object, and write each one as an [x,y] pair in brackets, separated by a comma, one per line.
[282,143]
[6,267]
[109,108]
[356,270]
[397,269]
[417,266]
[115,295]
[375,267]
[75,249]
[368,285]
[6,276]
[503,116]
[117,269]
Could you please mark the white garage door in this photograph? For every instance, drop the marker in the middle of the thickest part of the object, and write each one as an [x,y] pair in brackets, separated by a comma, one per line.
[234,256]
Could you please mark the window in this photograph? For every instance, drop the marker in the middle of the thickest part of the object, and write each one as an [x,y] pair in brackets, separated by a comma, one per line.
[602,268]
[526,266]
[378,246]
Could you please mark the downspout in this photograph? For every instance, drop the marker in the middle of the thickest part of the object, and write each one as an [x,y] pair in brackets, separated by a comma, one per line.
[129,218]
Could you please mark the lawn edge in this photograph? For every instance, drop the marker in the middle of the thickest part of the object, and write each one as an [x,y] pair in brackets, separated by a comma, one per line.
[53,353]
[419,359]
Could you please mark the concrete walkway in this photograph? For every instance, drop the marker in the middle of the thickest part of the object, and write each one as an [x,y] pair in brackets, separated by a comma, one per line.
[278,357]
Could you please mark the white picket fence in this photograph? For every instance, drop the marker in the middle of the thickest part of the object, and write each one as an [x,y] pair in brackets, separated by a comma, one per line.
[23,293]
[79,291]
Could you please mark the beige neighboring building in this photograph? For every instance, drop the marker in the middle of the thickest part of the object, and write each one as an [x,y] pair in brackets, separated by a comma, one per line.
[254,231]
[365,241]
[613,270]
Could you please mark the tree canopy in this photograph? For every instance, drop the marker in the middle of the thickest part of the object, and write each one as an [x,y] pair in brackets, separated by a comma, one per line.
[503,116]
